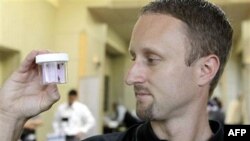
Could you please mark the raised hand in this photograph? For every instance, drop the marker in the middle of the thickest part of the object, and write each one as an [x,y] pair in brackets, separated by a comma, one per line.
[23,96]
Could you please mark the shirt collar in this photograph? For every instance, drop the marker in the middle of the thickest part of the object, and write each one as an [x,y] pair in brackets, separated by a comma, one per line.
[146,133]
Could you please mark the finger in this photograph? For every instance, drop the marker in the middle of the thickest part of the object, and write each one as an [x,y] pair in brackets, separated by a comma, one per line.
[54,93]
[51,96]
[29,61]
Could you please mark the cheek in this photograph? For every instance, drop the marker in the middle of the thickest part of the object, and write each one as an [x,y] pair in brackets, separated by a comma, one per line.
[172,84]
[164,86]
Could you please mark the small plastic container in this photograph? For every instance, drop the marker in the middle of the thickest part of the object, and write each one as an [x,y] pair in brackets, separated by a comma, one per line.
[53,67]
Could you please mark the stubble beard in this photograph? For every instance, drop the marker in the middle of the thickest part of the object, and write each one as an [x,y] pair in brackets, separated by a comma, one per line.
[144,113]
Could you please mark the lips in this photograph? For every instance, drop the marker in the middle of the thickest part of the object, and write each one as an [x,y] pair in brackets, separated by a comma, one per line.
[142,96]
[141,92]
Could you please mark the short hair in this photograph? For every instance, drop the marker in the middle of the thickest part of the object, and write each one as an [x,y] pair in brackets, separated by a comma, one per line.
[72,92]
[208,30]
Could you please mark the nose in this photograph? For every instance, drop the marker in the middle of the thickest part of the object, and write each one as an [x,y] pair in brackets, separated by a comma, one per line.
[136,74]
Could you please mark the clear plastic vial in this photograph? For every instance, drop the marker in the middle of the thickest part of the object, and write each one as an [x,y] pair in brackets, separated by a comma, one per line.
[53,67]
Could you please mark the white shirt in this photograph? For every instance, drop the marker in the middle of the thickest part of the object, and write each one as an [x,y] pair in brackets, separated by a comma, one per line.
[121,113]
[71,120]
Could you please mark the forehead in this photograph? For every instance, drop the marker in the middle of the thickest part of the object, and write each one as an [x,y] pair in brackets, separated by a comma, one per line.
[158,30]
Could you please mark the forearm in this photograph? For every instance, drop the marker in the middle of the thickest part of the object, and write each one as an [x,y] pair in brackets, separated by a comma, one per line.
[10,130]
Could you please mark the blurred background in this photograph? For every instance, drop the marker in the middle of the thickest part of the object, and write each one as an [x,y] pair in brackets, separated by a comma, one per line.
[96,34]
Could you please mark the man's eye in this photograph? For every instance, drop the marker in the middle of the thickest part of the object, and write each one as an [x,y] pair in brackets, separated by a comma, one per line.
[152,61]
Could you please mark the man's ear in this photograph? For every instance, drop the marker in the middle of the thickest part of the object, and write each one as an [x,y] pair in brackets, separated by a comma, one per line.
[207,69]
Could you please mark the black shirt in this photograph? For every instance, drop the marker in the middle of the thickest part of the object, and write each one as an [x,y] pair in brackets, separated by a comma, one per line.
[218,130]
[144,132]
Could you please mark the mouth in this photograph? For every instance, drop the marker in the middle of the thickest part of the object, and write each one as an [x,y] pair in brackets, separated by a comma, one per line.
[142,96]
[142,93]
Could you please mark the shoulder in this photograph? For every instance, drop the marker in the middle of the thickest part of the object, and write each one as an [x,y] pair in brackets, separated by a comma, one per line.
[62,106]
[107,137]
[77,103]
[217,129]
[118,136]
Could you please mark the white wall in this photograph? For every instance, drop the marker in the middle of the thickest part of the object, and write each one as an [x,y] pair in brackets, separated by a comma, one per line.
[27,25]
[233,80]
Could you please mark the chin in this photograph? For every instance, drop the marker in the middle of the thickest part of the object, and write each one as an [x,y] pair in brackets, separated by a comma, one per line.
[144,113]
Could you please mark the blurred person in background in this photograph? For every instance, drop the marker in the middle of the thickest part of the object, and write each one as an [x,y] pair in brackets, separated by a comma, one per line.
[215,110]
[73,119]
[121,120]
[29,131]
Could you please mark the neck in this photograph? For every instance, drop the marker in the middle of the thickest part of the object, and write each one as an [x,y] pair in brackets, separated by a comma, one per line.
[71,103]
[190,125]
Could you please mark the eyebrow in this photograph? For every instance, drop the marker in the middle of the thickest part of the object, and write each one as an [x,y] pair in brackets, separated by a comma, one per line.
[154,49]
[147,50]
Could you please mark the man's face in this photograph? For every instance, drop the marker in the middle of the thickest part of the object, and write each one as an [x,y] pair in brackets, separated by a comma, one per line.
[71,99]
[164,85]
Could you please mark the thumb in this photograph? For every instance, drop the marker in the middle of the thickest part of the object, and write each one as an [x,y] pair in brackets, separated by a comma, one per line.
[50,97]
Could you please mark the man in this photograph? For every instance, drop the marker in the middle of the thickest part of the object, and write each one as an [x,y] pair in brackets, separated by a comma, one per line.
[179,49]
[123,116]
[215,110]
[29,129]
[73,119]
